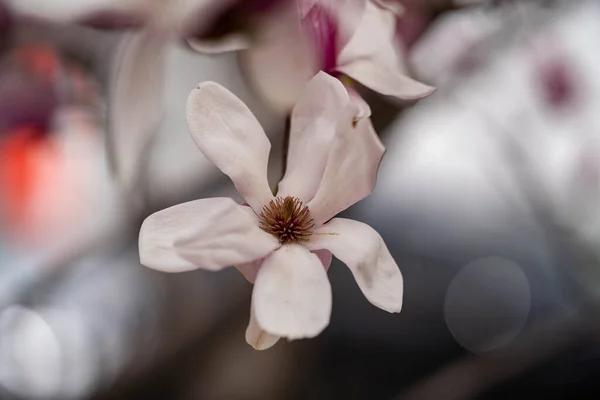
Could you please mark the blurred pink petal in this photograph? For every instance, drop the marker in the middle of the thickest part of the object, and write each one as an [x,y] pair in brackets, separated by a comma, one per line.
[256,337]
[373,58]
[229,135]
[351,171]
[321,29]
[209,234]
[292,294]
[282,59]
[362,249]
[348,14]
[136,101]
[313,125]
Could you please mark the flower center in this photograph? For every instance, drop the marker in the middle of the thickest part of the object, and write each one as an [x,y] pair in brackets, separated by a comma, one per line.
[287,219]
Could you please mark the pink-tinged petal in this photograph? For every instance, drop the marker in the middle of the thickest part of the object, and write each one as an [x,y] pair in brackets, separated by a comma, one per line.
[136,105]
[313,125]
[230,137]
[351,170]
[282,59]
[348,15]
[383,79]
[208,234]
[325,256]
[362,249]
[292,294]
[258,338]
[321,28]
[374,38]
[250,269]
[373,57]
[233,42]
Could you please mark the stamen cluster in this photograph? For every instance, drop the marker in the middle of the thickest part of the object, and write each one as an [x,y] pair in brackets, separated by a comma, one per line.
[288,219]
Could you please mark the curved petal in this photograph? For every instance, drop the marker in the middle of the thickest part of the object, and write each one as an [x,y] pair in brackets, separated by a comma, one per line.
[385,80]
[374,38]
[209,234]
[373,57]
[313,124]
[256,337]
[292,294]
[136,103]
[281,60]
[351,170]
[233,42]
[229,135]
[362,249]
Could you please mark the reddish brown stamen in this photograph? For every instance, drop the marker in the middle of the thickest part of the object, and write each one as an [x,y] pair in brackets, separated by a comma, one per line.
[287,219]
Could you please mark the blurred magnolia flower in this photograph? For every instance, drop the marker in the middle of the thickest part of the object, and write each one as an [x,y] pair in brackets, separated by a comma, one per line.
[282,244]
[294,41]
[137,85]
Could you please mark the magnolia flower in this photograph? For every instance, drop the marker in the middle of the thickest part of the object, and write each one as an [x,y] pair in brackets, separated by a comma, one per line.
[282,244]
[356,38]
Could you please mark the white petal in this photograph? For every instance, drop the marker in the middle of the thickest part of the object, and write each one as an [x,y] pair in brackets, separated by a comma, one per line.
[233,42]
[373,57]
[256,337]
[209,234]
[292,294]
[136,103]
[281,61]
[351,170]
[362,249]
[230,137]
[313,125]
